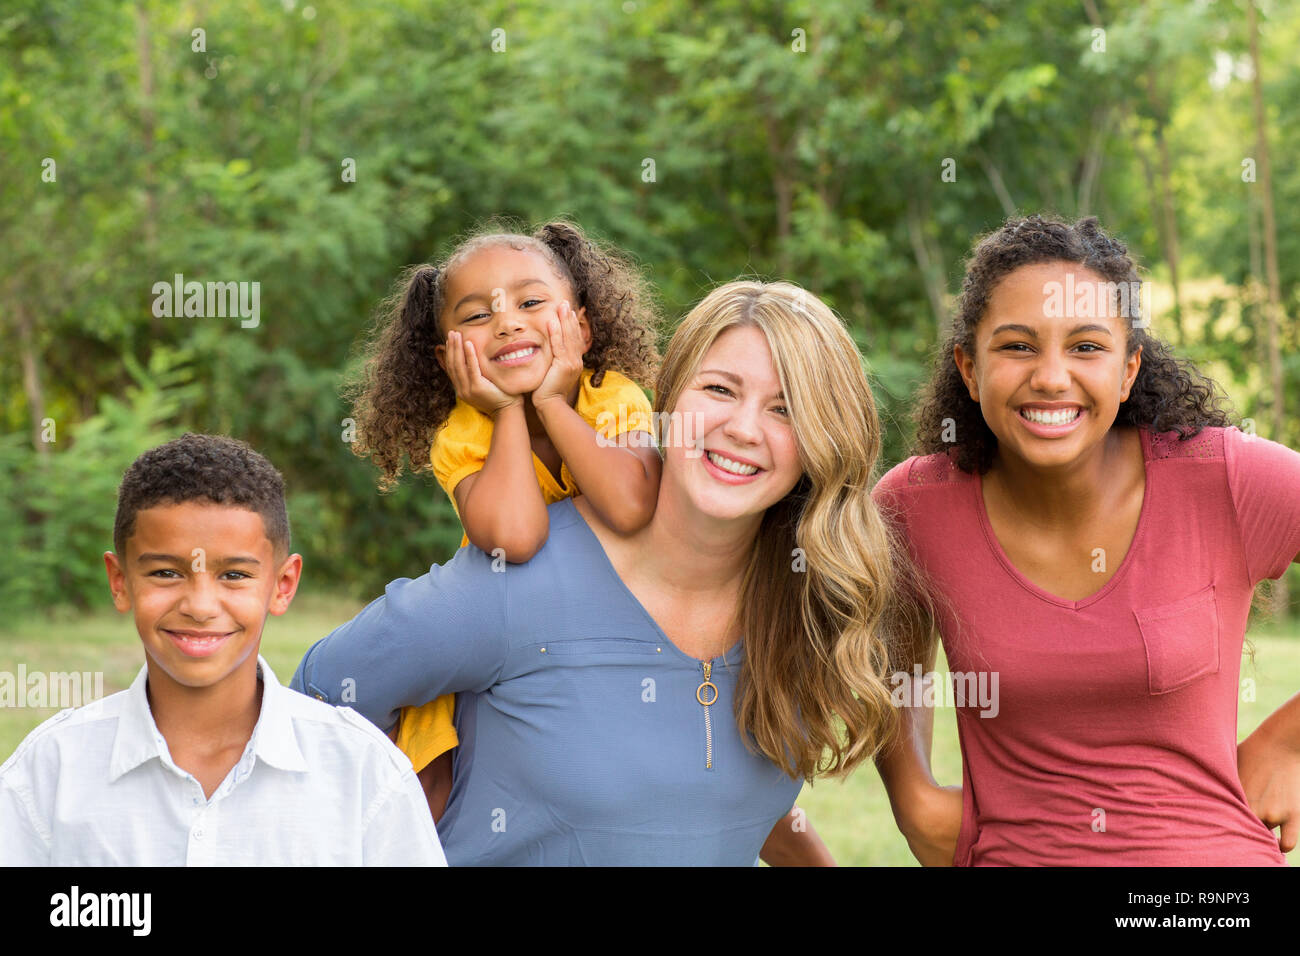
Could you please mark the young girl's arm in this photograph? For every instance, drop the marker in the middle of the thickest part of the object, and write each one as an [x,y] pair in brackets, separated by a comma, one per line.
[622,484]
[501,505]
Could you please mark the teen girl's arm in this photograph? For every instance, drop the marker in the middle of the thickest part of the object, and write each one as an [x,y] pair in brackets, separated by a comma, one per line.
[928,815]
[501,505]
[1268,762]
[793,842]
[622,484]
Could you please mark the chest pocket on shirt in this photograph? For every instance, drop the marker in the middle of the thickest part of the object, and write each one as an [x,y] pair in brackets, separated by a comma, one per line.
[598,647]
[1182,641]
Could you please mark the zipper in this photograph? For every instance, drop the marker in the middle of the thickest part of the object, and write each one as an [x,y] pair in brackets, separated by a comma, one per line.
[707,694]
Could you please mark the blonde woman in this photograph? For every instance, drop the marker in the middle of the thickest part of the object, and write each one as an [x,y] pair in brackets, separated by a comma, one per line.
[659,697]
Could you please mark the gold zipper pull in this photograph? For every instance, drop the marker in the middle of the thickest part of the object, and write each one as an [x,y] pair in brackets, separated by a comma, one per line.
[706,683]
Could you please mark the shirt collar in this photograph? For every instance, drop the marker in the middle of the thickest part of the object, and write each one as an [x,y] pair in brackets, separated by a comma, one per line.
[274,739]
[138,740]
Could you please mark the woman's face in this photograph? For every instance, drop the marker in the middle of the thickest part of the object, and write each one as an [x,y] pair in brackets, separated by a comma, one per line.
[730,446]
[1049,370]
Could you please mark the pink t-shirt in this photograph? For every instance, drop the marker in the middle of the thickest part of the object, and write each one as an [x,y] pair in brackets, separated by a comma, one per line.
[1113,739]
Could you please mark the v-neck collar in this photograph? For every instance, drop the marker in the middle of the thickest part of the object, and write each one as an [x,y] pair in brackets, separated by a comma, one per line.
[1000,553]
[731,653]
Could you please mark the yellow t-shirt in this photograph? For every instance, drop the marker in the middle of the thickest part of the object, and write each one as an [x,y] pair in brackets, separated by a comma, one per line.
[460,448]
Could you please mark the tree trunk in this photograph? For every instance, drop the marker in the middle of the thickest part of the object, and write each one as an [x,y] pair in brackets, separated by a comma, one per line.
[1273,306]
[1092,161]
[781,154]
[1170,217]
[999,185]
[32,386]
[930,270]
[144,53]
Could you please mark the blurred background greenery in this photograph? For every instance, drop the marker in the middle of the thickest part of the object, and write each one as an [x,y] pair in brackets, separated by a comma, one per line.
[796,140]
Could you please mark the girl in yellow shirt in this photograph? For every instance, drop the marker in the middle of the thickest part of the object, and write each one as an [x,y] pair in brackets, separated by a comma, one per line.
[539,341]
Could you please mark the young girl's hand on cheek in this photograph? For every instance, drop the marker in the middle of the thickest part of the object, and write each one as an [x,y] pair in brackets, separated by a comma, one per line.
[567,348]
[472,386]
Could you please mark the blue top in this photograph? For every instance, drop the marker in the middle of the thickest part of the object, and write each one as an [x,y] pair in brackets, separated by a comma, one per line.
[583,740]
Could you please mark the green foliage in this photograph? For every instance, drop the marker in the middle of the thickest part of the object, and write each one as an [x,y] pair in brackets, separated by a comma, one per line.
[56,512]
[794,140]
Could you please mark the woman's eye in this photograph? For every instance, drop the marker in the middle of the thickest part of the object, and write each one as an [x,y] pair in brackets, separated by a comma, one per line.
[781,410]
[721,388]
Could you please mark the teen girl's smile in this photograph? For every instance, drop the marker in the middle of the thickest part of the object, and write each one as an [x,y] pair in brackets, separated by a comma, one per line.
[1049,385]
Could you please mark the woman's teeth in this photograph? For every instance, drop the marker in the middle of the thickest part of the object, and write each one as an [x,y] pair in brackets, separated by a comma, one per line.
[1062,417]
[516,354]
[735,467]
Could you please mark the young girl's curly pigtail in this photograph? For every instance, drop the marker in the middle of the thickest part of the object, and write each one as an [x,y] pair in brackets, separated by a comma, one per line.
[619,306]
[403,395]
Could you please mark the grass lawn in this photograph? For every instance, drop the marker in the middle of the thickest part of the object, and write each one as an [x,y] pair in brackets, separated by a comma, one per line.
[852,816]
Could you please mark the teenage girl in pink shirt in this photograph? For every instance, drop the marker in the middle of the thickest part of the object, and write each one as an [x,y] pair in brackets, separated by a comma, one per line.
[1094,530]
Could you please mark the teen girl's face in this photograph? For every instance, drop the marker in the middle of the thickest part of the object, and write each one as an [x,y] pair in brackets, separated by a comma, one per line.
[1049,370]
[500,299]
[730,444]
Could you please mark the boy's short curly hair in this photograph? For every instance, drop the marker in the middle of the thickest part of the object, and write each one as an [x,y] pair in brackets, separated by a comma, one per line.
[224,471]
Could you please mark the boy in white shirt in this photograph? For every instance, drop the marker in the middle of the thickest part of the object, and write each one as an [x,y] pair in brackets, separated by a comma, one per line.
[207,759]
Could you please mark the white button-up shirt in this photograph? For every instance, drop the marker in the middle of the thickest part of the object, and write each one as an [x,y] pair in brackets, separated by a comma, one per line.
[316,785]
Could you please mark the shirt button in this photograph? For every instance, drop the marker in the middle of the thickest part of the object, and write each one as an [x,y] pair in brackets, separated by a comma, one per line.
[198,833]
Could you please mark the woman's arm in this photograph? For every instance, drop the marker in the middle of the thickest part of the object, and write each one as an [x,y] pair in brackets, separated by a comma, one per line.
[793,842]
[443,632]
[1268,762]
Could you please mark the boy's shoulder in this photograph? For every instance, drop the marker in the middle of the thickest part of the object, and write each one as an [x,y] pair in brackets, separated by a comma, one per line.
[75,724]
[343,728]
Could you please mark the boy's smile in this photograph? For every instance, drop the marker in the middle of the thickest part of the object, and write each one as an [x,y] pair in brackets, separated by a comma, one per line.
[200,578]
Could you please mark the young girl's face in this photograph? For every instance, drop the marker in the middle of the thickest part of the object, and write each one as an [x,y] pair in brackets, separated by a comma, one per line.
[1049,370]
[501,300]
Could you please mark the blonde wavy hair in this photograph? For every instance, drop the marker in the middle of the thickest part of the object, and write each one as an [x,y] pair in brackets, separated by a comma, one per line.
[820,642]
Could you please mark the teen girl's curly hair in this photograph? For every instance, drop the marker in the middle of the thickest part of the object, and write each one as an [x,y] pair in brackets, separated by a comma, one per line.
[1169,394]
[403,396]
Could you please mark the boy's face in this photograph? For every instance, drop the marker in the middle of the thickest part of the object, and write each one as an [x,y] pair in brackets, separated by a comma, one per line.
[201,578]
